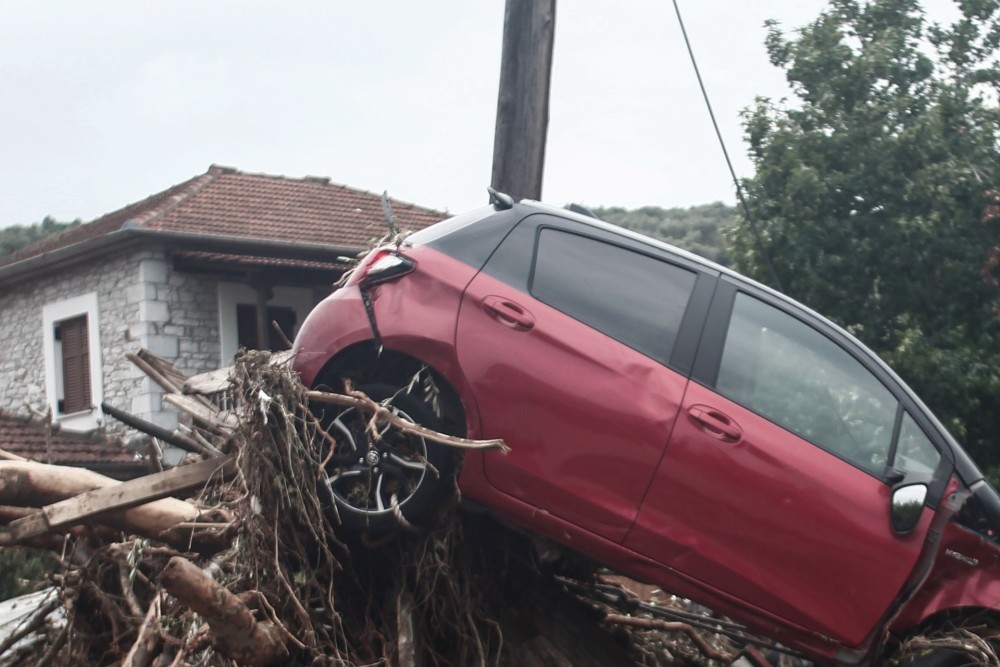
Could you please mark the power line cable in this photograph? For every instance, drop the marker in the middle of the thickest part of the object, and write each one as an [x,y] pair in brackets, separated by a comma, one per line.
[729,163]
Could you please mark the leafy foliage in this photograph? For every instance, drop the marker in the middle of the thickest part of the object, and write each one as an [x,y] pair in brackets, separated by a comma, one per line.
[870,191]
[697,229]
[16,237]
[23,570]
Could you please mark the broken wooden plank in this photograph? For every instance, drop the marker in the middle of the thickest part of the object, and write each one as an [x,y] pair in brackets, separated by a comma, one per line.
[212,382]
[120,496]
[201,412]
[221,379]
[154,374]
[157,431]
[161,371]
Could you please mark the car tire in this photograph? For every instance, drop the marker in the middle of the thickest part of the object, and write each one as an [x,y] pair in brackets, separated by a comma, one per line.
[395,482]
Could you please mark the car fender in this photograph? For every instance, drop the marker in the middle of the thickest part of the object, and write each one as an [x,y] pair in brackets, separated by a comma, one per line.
[335,324]
[414,316]
[965,577]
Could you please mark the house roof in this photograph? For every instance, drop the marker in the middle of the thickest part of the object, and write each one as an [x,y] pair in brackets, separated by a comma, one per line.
[266,210]
[32,439]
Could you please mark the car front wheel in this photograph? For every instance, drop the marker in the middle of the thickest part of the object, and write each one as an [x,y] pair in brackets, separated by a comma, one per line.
[379,477]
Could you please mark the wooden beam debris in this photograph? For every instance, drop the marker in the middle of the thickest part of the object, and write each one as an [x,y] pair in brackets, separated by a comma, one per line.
[224,419]
[91,504]
[149,428]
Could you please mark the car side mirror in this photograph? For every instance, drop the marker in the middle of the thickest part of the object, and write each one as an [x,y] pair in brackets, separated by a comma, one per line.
[907,505]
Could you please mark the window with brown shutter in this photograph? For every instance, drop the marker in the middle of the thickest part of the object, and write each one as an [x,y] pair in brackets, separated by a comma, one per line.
[73,334]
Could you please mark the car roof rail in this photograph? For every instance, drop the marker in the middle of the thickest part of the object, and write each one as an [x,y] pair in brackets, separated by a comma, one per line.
[582,210]
[501,201]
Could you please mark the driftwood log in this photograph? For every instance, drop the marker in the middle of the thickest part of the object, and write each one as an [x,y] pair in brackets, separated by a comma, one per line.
[237,634]
[68,496]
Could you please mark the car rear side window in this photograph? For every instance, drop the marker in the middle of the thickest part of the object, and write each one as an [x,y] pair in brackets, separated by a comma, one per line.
[632,297]
[786,371]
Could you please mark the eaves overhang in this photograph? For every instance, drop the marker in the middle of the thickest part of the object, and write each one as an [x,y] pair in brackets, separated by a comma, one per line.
[35,265]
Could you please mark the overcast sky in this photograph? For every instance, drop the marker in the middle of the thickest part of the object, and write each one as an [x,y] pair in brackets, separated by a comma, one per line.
[105,103]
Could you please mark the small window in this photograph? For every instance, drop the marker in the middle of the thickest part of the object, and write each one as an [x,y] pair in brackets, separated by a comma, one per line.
[790,373]
[71,347]
[915,453]
[632,297]
[74,341]
[246,326]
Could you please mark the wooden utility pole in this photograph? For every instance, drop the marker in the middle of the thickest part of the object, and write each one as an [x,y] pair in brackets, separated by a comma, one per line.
[523,103]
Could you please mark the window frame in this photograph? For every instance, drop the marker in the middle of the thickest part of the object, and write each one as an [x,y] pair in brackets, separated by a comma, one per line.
[519,275]
[84,305]
[275,312]
[764,364]
[229,294]
[533,289]
[709,359]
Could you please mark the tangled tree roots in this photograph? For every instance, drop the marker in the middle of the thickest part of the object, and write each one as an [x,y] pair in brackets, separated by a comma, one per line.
[972,643]
[293,588]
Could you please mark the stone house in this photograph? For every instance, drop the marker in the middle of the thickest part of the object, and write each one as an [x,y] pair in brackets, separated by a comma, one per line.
[191,273]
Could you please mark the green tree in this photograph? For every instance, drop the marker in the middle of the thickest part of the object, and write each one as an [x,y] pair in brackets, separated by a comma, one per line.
[23,570]
[697,229]
[15,237]
[870,188]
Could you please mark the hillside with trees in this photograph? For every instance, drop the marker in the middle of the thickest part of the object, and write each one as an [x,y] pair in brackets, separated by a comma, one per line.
[698,229]
[15,237]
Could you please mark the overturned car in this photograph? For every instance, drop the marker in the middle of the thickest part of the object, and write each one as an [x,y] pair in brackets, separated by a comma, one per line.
[667,417]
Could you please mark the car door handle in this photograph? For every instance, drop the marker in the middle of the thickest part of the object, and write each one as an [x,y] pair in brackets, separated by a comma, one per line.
[715,423]
[507,312]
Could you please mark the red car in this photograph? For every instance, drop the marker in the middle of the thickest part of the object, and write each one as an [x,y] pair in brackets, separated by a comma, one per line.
[667,417]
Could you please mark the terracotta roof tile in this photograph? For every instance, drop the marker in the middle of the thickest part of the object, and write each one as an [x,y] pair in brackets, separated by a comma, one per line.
[29,438]
[102,226]
[227,202]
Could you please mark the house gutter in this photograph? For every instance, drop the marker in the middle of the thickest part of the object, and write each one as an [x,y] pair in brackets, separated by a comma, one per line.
[131,234]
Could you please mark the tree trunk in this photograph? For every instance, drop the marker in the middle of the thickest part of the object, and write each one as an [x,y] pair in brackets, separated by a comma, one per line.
[237,633]
[31,484]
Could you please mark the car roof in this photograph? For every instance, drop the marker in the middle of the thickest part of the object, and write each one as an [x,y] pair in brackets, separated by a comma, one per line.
[663,245]
[966,465]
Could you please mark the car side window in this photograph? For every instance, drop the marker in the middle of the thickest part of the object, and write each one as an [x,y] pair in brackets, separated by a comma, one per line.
[914,451]
[634,298]
[790,373]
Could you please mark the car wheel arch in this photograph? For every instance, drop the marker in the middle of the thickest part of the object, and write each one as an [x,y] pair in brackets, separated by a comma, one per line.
[362,363]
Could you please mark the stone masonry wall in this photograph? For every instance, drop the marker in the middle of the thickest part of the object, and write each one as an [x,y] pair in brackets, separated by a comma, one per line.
[142,303]
[22,369]
[178,320]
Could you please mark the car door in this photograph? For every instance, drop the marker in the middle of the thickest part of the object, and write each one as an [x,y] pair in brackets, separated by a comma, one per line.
[567,338]
[774,489]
